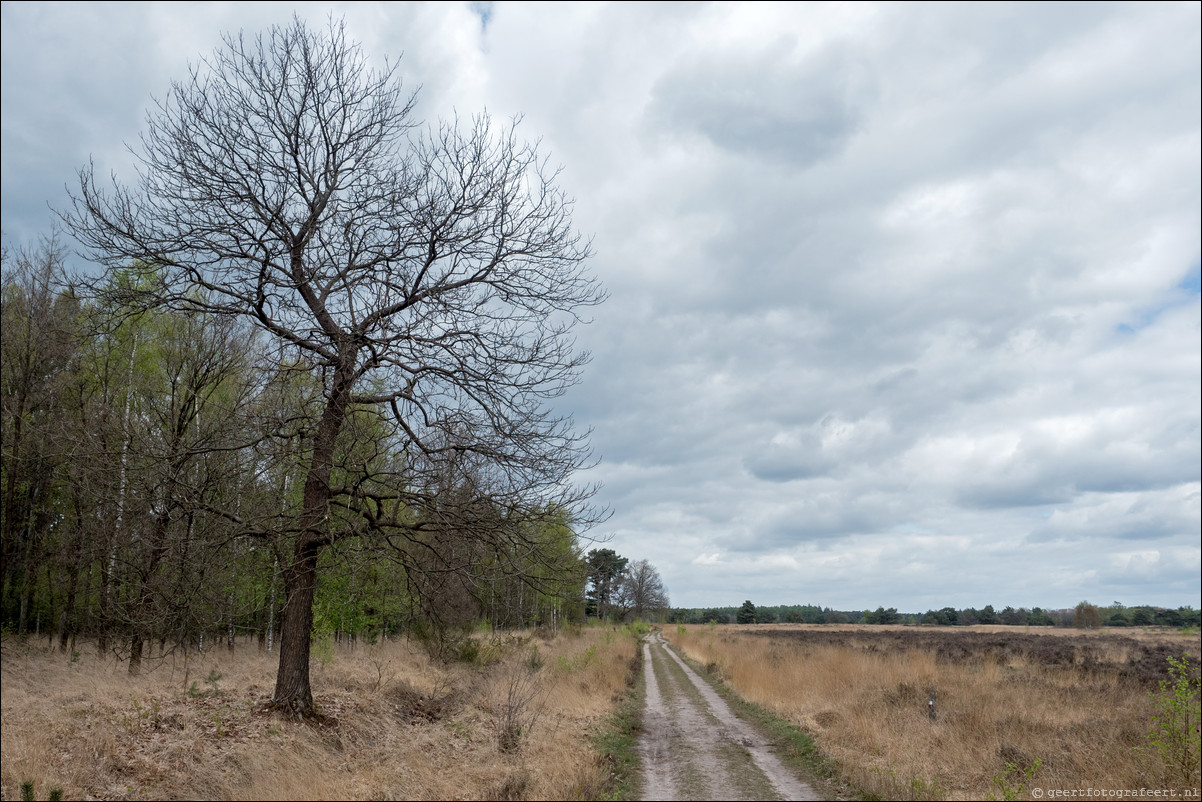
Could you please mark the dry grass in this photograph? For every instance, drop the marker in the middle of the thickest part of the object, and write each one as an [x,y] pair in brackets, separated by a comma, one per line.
[863,694]
[399,726]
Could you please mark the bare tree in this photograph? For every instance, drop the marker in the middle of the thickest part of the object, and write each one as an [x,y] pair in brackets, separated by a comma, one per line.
[434,275]
[182,458]
[641,592]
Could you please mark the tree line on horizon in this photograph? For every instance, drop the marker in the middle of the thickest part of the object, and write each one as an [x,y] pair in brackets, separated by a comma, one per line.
[1083,615]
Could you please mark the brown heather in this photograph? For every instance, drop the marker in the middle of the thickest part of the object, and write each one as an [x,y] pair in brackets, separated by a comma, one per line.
[1079,702]
[397,726]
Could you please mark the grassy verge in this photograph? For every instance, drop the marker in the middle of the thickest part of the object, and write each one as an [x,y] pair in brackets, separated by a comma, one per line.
[796,748]
[617,743]
[617,740]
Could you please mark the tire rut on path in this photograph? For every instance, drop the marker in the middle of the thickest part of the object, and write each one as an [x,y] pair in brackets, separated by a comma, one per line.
[695,747]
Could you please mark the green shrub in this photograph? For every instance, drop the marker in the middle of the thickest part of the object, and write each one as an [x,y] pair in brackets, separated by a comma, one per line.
[1175,727]
[1014,780]
[467,650]
[27,795]
[534,661]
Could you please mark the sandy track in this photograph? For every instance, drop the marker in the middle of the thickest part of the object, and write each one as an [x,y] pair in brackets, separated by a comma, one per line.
[695,747]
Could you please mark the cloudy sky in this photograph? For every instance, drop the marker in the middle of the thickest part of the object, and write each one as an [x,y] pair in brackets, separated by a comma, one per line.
[904,299]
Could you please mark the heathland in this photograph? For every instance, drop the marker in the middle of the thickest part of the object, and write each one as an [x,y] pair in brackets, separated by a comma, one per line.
[540,715]
[1015,711]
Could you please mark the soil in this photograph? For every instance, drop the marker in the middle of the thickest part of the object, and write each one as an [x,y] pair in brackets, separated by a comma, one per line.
[695,747]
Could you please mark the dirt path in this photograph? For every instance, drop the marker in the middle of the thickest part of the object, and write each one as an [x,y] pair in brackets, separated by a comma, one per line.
[695,747]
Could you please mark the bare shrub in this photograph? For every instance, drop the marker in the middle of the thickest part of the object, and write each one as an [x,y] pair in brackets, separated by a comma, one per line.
[418,707]
[1086,615]
[519,704]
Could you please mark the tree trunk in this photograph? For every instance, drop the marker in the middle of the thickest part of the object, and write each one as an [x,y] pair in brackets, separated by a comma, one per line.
[65,627]
[107,580]
[229,625]
[27,573]
[135,654]
[292,692]
[275,573]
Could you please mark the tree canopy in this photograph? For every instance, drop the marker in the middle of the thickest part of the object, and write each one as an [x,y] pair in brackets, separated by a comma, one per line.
[425,281]
[746,613]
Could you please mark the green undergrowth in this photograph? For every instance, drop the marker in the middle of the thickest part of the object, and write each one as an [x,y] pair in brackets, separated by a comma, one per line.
[618,743]
[617,740]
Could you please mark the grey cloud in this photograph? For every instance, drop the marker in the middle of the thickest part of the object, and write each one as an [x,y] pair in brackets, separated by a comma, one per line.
[771,104]
[781,463]
[1117,458]
[1144,517]
[815,511]
[1000,494]
[1172,571]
